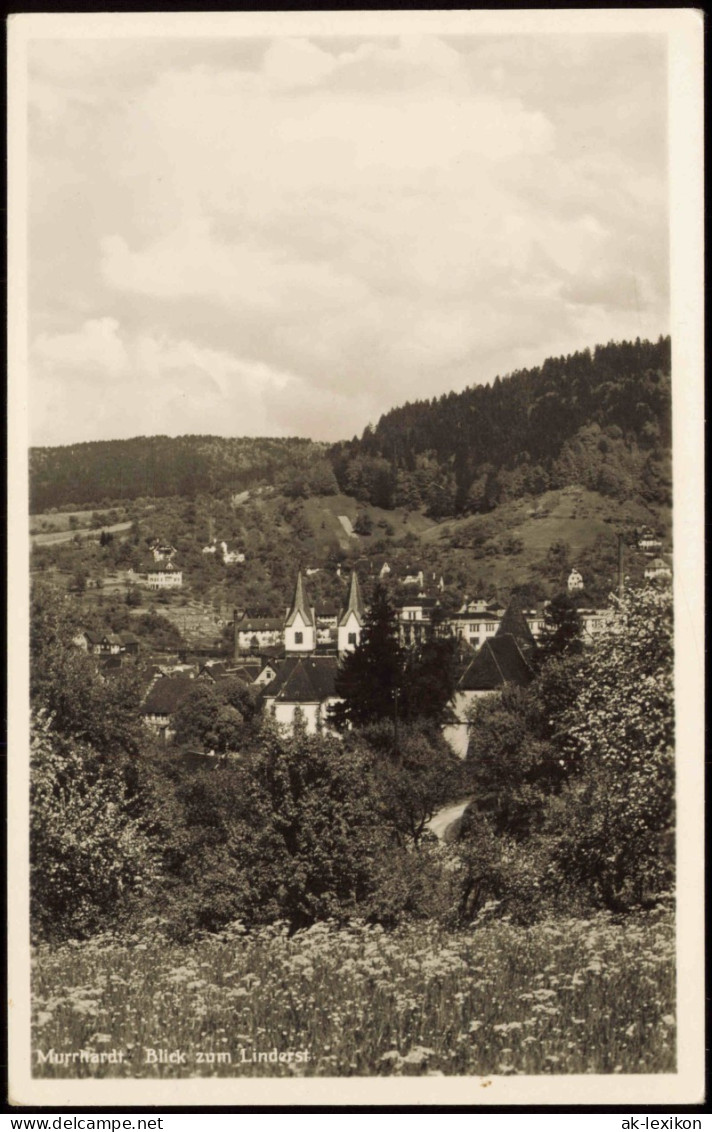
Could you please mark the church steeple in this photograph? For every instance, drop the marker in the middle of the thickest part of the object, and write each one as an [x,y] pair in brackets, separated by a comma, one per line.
[355,604]
[300,624]
[351,620]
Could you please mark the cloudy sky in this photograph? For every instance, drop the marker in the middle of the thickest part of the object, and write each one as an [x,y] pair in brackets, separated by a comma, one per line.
[291,236]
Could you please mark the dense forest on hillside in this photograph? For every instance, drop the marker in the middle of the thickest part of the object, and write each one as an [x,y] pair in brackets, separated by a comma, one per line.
[172,466]
[600,419]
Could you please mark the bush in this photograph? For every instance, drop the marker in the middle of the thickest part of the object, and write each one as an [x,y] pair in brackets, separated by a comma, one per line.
[88,855]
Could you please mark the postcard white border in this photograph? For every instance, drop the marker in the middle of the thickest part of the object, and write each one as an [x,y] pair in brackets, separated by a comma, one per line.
[684,31]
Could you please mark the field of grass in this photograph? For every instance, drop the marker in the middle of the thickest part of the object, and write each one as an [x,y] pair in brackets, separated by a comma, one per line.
[560,997]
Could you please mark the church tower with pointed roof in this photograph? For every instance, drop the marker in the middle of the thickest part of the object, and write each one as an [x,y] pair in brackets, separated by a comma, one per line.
[352,619]
[300,624]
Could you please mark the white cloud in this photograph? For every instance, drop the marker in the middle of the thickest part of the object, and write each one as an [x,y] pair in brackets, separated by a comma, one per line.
[381,222]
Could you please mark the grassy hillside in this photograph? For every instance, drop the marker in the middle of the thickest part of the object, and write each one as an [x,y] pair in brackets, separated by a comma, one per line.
[530,543]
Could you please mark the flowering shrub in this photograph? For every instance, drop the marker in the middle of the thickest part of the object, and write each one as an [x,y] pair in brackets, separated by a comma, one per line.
[614,821]
[86,852]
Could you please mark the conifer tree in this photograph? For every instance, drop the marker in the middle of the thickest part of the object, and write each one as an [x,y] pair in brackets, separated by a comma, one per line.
[370,676]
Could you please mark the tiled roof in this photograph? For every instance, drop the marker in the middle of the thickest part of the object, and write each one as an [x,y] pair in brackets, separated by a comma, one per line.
[166,694]
[304,679]
[327,609]
[499,661]
[248,673]
[260,625]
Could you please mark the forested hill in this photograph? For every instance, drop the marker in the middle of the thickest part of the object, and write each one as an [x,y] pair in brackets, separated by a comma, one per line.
[171,466]
[600,419]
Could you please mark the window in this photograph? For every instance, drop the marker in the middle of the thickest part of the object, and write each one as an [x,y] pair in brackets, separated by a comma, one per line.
[352,638]
[299,638]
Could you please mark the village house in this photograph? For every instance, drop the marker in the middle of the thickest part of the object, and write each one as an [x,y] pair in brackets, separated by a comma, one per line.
[231,557]
[648,541]
[130,643]
[475,622]
[162,700]
[157,578]
[252,634]
[162,551]
[415,619]
[657,569]
[327,620]
[502,659]
[303,686]
[575,581]
[99,643]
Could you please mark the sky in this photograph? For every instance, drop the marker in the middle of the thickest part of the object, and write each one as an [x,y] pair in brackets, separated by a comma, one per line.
[290,236]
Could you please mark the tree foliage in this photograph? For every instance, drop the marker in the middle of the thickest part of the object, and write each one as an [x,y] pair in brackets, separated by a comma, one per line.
[66,685]
[579,766]
[563,628]
[88,852]
[370,677]
[616,816]
[601,419]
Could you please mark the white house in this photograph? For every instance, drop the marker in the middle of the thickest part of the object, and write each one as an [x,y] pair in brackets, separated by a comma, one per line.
[304,685]
[657,569]
[415,619]
[648,541]
[352,619]
[575,581]
[163,551]
[475,627]
[164,578]
[231,557]
[255,633]
[300,625]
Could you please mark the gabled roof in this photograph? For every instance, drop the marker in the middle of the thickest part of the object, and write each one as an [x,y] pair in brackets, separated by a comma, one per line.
[304,679]
[327,609]
[260,625]
[355,602]
[128,638]
[245,672]
[215,671]
[300,605]
[515,624]
[499,661]
[166,694]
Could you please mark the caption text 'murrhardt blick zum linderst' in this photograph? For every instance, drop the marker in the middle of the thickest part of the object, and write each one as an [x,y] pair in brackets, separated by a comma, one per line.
[151,1055]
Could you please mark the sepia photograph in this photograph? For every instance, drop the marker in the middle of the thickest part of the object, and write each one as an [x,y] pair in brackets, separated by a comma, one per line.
[355,410]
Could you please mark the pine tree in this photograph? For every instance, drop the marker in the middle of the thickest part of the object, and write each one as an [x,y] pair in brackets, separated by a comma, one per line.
[562,629]
[370,676]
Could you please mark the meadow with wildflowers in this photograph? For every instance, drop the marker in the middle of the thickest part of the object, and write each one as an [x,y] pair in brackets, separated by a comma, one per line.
[311,925]
[562,996]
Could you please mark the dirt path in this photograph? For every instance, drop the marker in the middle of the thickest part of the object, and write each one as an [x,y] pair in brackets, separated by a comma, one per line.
[445,823]
[346,524]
